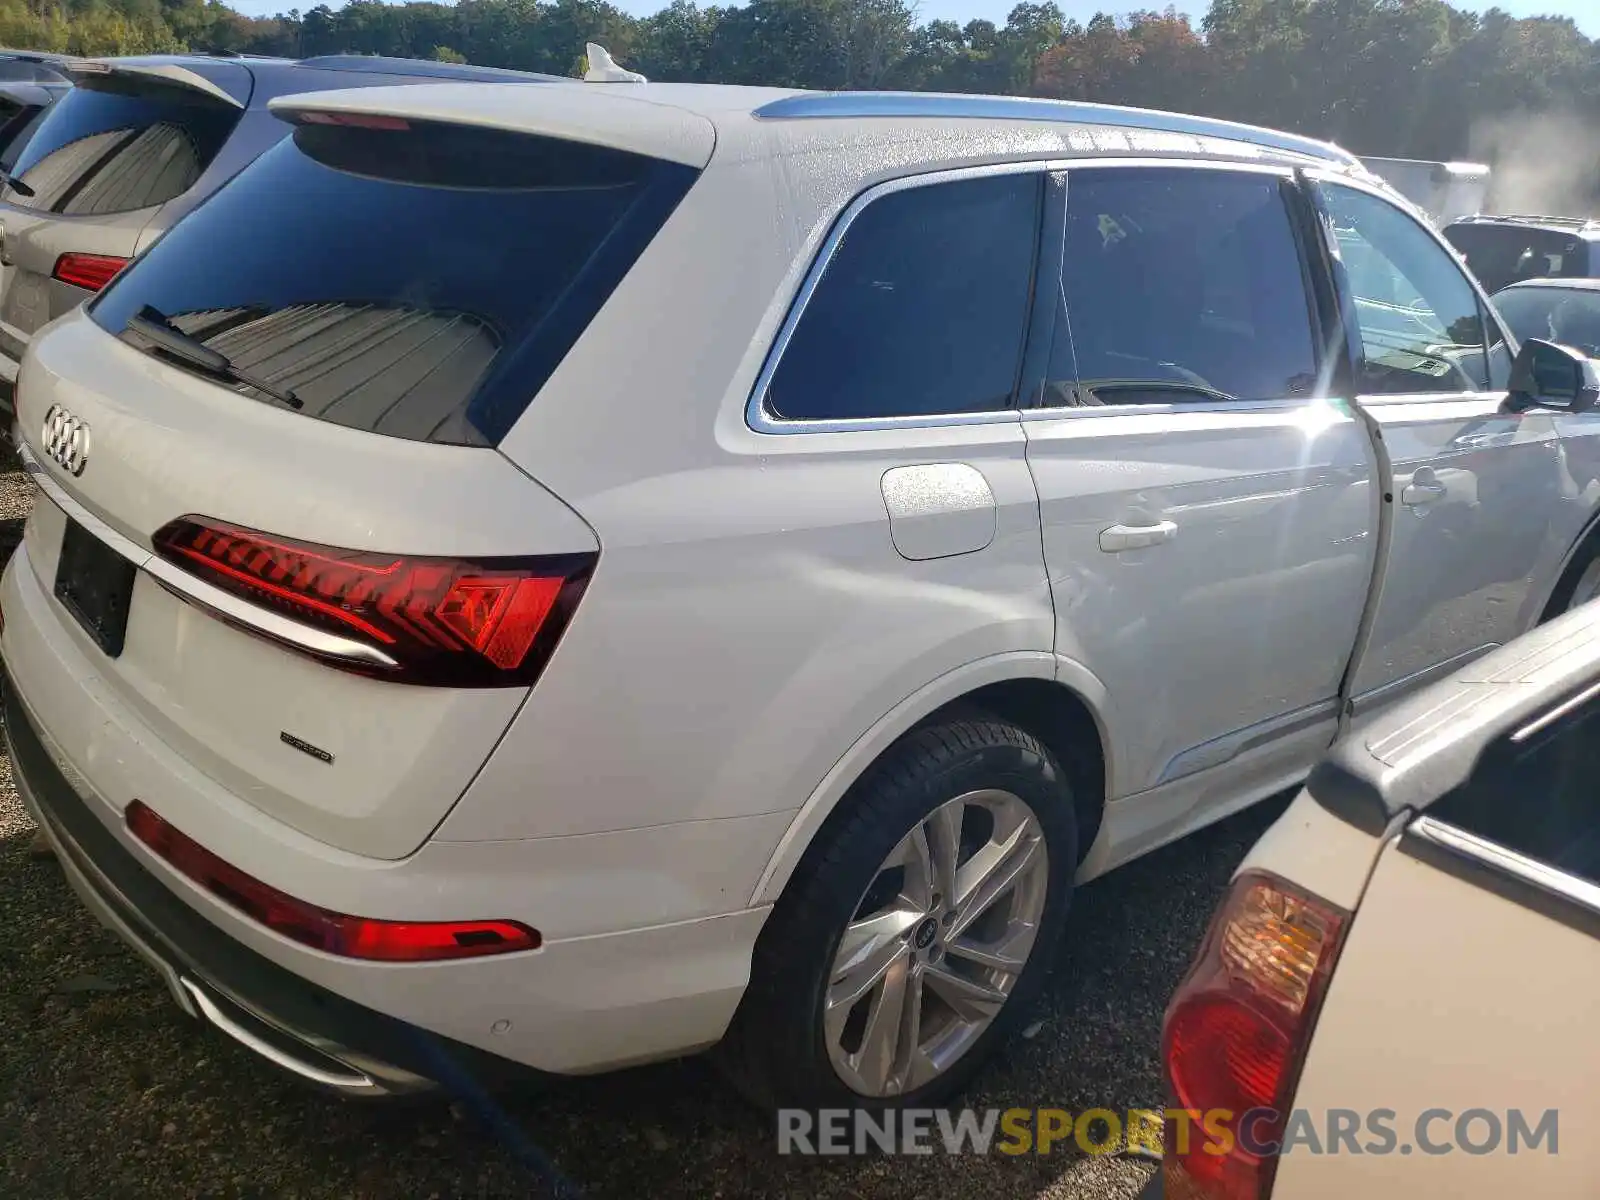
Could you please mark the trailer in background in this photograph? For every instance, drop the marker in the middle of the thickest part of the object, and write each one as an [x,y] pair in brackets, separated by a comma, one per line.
[1443,190]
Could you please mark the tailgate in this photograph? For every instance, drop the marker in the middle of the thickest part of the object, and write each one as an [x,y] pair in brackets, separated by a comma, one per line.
[165,444]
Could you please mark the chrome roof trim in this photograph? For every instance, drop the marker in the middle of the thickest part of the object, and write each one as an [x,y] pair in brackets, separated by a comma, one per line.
[815,105]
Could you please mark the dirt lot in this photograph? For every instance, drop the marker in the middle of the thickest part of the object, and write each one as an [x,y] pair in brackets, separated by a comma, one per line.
[107,1091]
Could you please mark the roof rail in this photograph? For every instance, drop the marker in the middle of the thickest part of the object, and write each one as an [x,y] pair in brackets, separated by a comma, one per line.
[814,105]
[1536,219]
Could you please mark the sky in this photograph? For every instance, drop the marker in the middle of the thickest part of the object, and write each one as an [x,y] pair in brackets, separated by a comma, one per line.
[1585,12]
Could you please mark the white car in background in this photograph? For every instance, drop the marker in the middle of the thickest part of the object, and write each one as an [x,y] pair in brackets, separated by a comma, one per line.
[1414,944]
[591,572]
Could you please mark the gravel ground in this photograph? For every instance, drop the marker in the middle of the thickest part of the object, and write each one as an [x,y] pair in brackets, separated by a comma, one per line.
[106,1090]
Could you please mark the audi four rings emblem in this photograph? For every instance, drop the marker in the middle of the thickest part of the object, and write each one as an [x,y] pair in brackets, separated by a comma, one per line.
[66,439]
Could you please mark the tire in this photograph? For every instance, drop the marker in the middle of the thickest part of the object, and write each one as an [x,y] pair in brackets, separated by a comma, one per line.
[777,1051]
[1584,569]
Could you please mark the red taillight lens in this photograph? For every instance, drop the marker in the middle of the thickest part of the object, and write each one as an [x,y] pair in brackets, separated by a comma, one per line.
[1236,1034]
[92,271]
[334,933]
[452,622]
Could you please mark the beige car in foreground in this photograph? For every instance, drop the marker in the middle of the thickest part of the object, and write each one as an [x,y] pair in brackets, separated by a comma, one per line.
[1397,996]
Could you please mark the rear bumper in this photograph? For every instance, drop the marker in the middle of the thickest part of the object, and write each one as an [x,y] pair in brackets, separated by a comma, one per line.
[323,1038]
[589,1000]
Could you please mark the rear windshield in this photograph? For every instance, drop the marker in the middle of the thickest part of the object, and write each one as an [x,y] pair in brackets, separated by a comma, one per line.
[20,123]
[1502,254]
[420,281]
[1568,315]
[113,145]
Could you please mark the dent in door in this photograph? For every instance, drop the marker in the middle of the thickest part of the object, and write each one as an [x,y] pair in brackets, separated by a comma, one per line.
[937,510]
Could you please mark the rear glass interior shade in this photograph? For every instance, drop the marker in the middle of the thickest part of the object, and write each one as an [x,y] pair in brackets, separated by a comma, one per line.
[420,281]
[113,145]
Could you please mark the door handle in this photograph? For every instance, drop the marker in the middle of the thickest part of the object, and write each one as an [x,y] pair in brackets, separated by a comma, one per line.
[1415,495]
[1136,537]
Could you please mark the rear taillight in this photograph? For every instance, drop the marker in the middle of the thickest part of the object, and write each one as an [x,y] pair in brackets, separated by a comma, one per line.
[92,271]
[330,932]
[1236,1034]
[450,622]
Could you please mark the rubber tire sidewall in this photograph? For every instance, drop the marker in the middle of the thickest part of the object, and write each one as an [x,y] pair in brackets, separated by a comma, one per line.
[778,1032]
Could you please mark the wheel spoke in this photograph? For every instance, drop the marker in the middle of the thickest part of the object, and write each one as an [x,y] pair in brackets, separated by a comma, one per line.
[886,1021]
[1009,954]
[971,1000]
[867,950]
[990,873]
[944,838]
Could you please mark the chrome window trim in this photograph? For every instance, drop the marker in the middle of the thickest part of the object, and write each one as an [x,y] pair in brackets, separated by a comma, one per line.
[761,420]
[1507,862]
[223,605]
[1085,412]
[907,105]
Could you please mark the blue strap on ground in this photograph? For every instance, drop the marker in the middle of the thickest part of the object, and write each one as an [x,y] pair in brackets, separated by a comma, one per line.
[459,1083]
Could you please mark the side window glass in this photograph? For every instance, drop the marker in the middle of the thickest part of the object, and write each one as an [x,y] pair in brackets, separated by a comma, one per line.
[1421,328]
[1179,286]
[923,308]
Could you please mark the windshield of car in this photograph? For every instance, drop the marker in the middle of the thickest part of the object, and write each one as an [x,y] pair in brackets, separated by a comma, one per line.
[1567,315]
[349,266]
[114,144]
[1501,254]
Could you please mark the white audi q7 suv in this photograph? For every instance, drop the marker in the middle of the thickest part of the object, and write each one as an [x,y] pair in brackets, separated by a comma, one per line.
[573,576]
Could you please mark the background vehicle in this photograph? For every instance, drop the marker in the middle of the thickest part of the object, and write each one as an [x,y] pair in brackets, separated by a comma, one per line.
[136,145]
[1445,191]
[767,619]
[34,66]
[1560,310]
[1502,250]
[1416,935]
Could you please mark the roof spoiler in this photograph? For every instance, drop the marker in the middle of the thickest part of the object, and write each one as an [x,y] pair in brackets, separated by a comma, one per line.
[601,69]
[163,72]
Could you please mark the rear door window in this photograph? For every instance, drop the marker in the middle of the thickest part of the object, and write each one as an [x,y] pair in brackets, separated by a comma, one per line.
[114,144]
[922,309]
[415,280]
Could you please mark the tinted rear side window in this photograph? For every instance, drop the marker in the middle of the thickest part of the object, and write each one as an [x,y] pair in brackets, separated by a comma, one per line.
[112,145]
[420,282]
[921,310]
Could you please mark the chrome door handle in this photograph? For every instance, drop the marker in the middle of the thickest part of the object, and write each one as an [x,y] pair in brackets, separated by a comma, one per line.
[1136,537]
[1415,495]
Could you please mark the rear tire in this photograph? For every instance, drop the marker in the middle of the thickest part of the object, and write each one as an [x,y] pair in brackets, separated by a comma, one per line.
[814,1029]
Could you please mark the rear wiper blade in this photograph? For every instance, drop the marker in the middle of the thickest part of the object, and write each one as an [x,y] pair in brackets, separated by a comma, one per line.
[16,185]
[151,323]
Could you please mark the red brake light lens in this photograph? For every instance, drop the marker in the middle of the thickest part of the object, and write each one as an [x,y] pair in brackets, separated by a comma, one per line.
[92,271]
[1237,1030]
[355,120]
[333,933]
[442,621]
